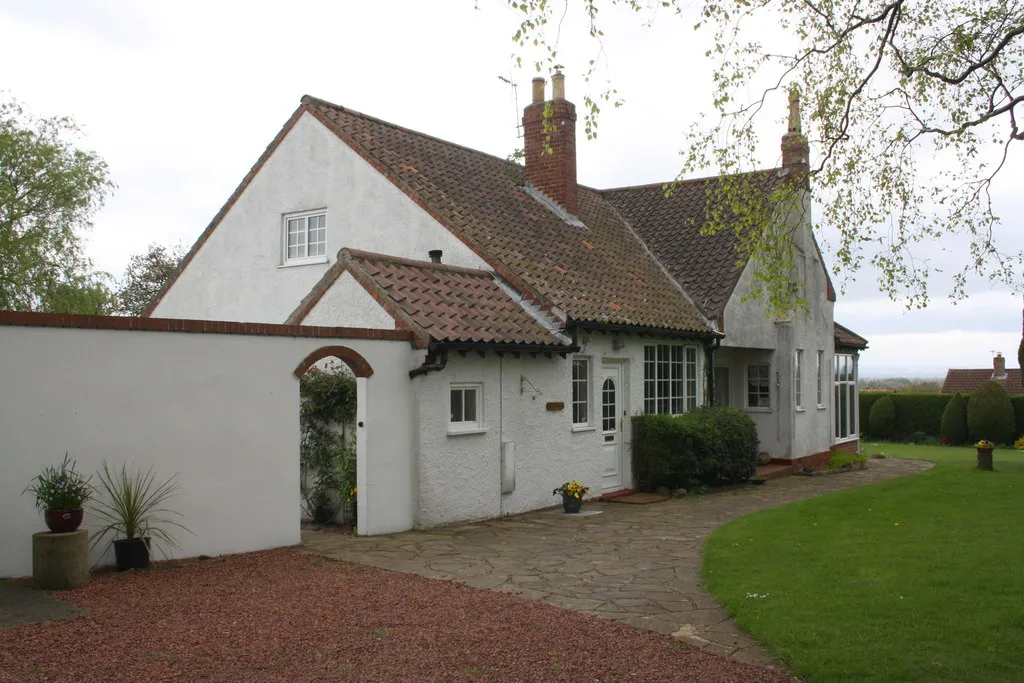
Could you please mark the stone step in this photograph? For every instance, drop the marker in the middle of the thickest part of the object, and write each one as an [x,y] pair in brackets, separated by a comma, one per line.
[773,471]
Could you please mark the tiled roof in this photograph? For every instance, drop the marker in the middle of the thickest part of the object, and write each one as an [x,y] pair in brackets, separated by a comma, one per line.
[447,303]
[968,381]
[599,273]
[705,265]
[848,339]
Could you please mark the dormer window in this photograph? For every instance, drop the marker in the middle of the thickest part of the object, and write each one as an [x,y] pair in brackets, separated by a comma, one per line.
[305,237]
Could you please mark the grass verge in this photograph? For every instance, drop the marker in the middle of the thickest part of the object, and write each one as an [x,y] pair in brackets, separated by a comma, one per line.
[919,578]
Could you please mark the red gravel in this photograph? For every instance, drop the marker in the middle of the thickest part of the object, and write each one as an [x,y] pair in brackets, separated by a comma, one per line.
[286,616]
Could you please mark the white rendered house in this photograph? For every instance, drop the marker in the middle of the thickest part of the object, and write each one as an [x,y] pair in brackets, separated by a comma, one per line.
[546,313]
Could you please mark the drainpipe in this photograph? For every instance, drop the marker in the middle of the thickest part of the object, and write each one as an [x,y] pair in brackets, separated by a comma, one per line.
[431,363]
[709,369]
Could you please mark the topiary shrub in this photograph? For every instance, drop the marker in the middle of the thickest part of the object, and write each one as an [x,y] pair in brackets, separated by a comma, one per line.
[882,419]
[990,414]
[726,444]
[663,453]
[953,430]
[710,445]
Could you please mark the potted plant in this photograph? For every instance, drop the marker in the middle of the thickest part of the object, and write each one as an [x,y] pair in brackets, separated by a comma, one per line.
[60,492]
[132,511]
[572,493]
[984,454]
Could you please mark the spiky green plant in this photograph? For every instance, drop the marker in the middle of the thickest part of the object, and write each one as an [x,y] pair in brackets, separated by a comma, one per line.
[133,505]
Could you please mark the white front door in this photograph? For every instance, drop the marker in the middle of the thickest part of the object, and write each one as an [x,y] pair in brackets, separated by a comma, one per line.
[611,426]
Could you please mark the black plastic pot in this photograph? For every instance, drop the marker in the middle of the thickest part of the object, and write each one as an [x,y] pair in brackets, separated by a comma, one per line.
[131,553]
[571,504]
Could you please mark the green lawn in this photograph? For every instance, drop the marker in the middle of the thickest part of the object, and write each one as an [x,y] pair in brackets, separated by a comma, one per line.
[919,578]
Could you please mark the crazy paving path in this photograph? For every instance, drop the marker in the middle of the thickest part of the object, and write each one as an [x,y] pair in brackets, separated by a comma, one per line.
[639,564]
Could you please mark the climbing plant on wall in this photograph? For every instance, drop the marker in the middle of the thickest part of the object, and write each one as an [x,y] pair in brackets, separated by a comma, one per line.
[327,452]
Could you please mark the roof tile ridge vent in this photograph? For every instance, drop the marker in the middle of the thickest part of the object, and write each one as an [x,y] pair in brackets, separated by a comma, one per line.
[553,206]
[545,320]
[310,99]
[688,181]
[711,324]
[359,254]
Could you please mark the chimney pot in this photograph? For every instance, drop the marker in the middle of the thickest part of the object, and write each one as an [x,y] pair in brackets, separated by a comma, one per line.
[538,90]
[435,255]
[558,86]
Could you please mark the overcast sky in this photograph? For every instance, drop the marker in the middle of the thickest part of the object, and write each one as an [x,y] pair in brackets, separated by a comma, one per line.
[180,98]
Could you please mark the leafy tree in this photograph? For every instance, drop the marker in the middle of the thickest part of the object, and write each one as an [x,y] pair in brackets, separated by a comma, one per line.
[49,192]
[990,414]
[886,86]
[145,275]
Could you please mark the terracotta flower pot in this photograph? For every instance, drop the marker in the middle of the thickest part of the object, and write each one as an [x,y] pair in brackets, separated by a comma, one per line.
[63,521]
[571,504]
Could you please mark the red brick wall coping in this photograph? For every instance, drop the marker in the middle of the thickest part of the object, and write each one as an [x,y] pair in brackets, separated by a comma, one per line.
[108,322]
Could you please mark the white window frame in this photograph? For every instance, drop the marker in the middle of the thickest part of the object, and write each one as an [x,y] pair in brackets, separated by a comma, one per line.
[848,387]
[767,384]
[821,379]
[579,392]
[798,379]
[305,258]
[671,379]
[464,426]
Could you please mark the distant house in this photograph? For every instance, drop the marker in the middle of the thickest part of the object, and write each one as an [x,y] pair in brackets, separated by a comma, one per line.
[967,381]
[559,310]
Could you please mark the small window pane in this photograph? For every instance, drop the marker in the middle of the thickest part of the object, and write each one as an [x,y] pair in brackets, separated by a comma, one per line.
[469,404]
[456,406]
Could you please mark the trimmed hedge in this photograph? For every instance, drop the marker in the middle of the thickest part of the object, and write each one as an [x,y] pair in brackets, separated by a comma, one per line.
[922,413]
[711,445]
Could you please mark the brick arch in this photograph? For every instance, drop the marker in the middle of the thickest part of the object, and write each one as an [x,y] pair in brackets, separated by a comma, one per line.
[359,365]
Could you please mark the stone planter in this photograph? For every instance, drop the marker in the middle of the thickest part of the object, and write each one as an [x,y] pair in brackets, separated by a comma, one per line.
[63,521]
[60,561]
[984,458]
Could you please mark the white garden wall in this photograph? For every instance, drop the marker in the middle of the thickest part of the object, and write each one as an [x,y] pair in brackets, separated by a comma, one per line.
[219,410]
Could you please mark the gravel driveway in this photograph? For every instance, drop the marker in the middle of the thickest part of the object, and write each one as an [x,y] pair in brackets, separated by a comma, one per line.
[288,616]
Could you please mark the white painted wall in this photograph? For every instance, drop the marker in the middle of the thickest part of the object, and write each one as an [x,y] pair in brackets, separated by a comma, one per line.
[460,474]
[237,274]
[787,432]
[347,304]
[221,411]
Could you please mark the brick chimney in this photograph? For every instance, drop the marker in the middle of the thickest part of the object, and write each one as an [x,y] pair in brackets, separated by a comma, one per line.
[998,366]
[552,168]
[796,152]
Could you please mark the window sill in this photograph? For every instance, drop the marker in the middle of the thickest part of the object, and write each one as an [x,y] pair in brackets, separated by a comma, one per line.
[821,407]
[852,437]
[800,409]
[757,410]
[304,262]
[456,431]
[583,428]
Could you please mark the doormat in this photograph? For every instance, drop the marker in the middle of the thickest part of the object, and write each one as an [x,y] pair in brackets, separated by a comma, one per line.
[640,498]
[581,513]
